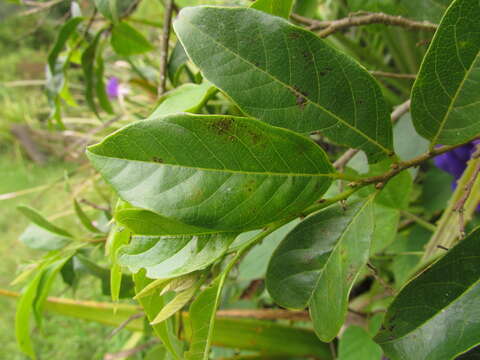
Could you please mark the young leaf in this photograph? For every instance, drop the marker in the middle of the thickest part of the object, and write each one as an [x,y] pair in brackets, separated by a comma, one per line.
[436,316]
[38,219]
[100,88]
[113,9]
[127,41]
[185,98]
[445,96]
[356,344]
[202,320]
[88,66]
[172,256]
[275,7]
[318,261]
[39,238]
[67,30]
[287,76]
[218,172]
[177,303]
[84,219]
[153,304]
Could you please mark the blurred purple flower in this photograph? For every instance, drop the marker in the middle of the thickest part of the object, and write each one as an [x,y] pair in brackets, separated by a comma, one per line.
[113,87]
[455,161]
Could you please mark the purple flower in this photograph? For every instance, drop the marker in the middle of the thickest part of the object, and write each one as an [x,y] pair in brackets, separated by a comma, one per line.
[113,87]
[455,161]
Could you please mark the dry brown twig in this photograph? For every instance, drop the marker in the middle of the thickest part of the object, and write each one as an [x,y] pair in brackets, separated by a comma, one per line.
[393,75]
[331,26]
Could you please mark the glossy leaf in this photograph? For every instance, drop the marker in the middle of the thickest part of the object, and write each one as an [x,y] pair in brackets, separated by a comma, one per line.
[436,316]
[318,261]
[247,175]
[284,75]
[172,256]
[66,31]
[356,344]
[38,219]
[127,41]
[275,7]
[445,97]
[38,238]
[185,98]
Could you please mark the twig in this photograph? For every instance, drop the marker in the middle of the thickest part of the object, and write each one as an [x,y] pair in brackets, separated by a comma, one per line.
[39,82]
[38,6]
[399,111]
[393,75]
[382,282]
[167,21]
[423,223]
[459,206]
[124,324]
[329,27]
[93,205]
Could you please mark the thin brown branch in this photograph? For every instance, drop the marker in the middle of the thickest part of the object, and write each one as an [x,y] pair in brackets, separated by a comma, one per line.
[459,206]
[38,6]
[399,111]
[124,324]
[93,205]
[167,22]
[329,27]
[393,75]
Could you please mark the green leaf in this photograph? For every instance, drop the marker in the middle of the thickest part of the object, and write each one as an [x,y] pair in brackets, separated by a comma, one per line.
[88,66]
[127,41]
[152,305]
[217,172]
[185,98]
[356,344]
[445,96]
[38,219]
[436,316]
[318,261]
[177,303]
[113,9]
[284,75]
[176,63]
[65,32]
[84,219]
[386,225]
[144,222]
[117,238]
[100,88]
[431,10]
[38,238]
[172,256]
[275,7]
[32,300]
[202,320]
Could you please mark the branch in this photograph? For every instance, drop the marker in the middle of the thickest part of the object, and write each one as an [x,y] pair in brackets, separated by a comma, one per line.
[265,314]
[167,21]
[329,27]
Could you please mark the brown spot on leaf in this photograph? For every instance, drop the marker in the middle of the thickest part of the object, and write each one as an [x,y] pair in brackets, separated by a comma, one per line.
[157,160]
[222,126]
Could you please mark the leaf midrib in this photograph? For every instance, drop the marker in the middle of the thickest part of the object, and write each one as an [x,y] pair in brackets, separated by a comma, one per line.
[454,99]
[239,172]
[290,88]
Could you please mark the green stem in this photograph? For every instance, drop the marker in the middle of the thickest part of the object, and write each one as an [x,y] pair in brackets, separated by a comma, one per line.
[423,223]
